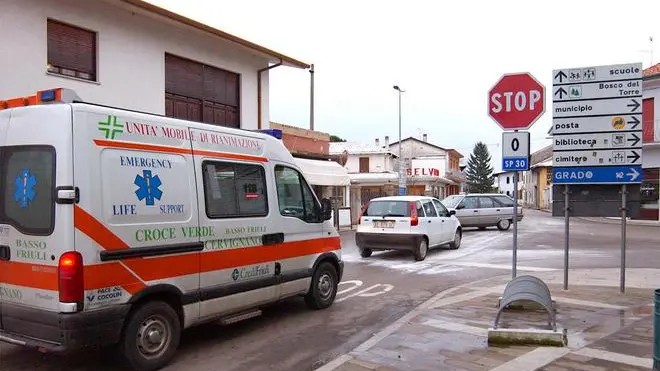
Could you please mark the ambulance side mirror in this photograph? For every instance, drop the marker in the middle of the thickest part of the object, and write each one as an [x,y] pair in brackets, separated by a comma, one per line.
[326,209]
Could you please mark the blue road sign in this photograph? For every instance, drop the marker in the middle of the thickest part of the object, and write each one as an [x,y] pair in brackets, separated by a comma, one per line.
[515,164]
[597,175]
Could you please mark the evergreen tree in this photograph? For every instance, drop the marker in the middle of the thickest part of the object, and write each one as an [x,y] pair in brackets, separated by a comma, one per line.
[479,172]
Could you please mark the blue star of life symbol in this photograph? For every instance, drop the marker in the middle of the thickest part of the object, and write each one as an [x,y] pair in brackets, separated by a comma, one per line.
[25,183]
[148,187]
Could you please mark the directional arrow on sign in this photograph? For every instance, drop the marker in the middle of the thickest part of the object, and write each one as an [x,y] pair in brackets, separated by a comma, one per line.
[633,174]
[634,157]
[634,122]
[635,105]
[561,92]
[561,76]
[635,139]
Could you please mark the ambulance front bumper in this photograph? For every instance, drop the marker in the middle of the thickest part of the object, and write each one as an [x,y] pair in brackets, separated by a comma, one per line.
[61,332]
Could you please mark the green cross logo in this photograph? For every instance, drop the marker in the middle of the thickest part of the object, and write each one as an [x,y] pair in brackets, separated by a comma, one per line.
[110,128]
[235,274]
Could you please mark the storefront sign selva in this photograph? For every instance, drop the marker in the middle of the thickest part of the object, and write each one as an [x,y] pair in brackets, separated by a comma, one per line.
[423,171]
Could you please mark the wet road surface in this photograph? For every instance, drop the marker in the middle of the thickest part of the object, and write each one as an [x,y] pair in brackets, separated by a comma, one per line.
[375,292]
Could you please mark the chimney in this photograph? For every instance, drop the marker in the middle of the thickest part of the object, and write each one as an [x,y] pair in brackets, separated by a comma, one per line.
[387,141]
[377,142]
[424,138]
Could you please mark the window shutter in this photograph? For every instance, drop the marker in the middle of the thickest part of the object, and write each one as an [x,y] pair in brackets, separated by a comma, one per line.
[71,48]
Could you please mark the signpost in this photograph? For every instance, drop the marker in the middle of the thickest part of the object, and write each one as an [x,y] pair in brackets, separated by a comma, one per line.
[596,128]
[515,102]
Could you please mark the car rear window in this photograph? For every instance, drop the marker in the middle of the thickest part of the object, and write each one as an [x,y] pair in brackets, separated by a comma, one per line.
[504,201]
[27,176]
[388,208]
[452,201]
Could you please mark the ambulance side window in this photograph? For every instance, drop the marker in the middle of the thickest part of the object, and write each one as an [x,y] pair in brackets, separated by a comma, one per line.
[294,196]
[27,178]
[234,190]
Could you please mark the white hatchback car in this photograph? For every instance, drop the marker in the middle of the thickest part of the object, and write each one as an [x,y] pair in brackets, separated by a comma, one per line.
[407,223]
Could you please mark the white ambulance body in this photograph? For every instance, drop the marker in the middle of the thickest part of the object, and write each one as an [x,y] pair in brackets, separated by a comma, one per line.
[123,227]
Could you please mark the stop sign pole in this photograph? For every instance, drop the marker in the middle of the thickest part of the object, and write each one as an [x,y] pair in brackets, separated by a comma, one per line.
[515,102]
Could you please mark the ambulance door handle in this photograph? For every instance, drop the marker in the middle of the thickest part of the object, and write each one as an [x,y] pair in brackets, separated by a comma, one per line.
[272,239]
[5,253]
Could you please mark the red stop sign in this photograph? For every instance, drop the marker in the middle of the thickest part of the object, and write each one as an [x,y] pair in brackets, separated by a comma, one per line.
[516,101]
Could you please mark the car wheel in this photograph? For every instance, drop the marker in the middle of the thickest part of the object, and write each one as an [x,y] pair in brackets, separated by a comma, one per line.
[456,243]
[324,287]
[504,225]
[150,337]
[365,253]
[421,250]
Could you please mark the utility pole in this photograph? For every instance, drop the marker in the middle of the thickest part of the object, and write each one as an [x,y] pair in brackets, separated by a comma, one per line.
[402,180]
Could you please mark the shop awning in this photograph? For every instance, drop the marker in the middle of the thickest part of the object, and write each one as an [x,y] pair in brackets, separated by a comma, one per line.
[323,173]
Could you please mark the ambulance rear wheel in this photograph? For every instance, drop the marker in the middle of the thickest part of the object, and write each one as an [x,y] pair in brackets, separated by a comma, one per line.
[150,337]
[324,287]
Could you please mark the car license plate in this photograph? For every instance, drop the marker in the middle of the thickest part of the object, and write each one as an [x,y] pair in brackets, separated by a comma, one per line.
[384,224]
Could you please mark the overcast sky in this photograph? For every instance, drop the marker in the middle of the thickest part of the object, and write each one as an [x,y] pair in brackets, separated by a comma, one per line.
[445,54]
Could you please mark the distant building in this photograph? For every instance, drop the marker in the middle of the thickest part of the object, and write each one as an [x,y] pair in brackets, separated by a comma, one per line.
[430,169]
[650,187]
[537,182]
[371,169]
[504,183]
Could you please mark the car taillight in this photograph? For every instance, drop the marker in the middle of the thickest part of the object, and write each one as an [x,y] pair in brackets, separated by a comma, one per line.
[413,215]
[70,276]
[364,209]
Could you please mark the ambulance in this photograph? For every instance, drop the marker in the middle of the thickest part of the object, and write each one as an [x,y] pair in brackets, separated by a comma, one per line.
[125,228]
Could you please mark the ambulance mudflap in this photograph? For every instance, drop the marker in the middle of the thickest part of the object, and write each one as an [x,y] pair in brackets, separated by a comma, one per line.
[37,255]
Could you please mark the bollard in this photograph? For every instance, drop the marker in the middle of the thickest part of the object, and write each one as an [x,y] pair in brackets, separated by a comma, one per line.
[656,332]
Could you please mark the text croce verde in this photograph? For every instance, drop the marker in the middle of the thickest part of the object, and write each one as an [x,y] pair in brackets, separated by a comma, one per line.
[207,234]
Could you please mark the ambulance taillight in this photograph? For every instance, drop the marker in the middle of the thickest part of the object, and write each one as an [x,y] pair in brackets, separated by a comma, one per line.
[70,275]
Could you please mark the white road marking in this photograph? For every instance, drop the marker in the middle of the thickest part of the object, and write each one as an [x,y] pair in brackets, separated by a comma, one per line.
[586,303]
[615,357]
[533,360]
[457,327]
[459,298]
[369,291]
[356,284]
[335,363]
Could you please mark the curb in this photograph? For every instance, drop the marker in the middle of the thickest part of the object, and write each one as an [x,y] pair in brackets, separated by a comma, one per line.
[636,223]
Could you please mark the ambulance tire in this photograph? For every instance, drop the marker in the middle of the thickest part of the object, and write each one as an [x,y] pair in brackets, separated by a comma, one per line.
[323,288]
[157,319]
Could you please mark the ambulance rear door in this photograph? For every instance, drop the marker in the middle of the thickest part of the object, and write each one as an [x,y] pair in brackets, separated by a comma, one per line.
[36,212]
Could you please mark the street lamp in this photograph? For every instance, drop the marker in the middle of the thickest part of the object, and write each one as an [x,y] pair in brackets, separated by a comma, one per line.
[402,179]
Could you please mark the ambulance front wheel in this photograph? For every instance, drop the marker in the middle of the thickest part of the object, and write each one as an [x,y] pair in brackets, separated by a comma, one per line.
[150,337]
[323,288]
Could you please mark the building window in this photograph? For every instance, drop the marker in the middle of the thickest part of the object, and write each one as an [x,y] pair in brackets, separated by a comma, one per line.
[648,114]
[364,164]
[234,190]
[508,180]
[197,92]
[71,51]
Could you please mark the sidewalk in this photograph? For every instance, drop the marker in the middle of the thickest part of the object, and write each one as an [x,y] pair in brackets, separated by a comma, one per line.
[606,330]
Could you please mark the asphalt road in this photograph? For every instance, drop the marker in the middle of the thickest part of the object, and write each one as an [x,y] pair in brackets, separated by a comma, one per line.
[374,293]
